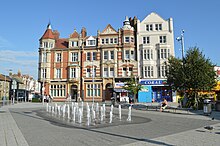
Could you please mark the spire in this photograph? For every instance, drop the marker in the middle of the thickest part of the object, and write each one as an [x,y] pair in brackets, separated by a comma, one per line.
[49,26]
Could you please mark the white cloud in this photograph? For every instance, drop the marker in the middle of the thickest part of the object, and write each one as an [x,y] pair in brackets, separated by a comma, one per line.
[23,60]
[4,43]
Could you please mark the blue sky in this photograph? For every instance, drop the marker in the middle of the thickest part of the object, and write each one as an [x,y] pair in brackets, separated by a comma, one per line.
[23,22]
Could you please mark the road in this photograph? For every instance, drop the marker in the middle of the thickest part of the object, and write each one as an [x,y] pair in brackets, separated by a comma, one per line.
[42,131]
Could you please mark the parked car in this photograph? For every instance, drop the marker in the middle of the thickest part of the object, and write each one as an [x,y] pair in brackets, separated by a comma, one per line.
[37,97]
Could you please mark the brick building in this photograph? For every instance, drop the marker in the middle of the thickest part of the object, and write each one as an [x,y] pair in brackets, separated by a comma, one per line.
[89,67]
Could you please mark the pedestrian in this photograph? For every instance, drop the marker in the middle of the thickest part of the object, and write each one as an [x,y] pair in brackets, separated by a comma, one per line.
[163,104]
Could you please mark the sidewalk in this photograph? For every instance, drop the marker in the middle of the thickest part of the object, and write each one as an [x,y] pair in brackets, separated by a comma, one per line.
[10,134]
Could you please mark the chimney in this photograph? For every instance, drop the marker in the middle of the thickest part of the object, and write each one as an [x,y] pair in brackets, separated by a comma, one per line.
[56,34]
[83,32]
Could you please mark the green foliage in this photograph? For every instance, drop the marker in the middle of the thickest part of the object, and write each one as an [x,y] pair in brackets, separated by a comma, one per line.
[133,86]
[194,73]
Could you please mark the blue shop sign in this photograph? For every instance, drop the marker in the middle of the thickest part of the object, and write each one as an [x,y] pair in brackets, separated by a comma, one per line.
[153,82]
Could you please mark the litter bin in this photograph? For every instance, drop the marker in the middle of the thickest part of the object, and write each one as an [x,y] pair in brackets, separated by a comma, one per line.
[207,107]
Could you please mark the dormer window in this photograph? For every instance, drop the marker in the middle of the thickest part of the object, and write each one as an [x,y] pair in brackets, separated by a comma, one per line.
[91,41]
[74,43]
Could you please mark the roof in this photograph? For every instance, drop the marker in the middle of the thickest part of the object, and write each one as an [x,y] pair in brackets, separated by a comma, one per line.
[2,78]
[61,43]
[48,34]
[74,35]
[109,30]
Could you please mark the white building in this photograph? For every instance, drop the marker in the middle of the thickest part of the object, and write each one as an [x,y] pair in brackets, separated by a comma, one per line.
[155,42]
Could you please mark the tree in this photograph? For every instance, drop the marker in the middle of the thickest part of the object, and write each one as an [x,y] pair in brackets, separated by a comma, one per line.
[133,86]
[194,73]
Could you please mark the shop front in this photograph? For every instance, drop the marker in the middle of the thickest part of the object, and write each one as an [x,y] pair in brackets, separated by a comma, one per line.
[121,94]
[154,91]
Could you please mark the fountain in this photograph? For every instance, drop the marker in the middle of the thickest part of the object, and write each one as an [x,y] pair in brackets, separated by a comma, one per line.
[129,114]
[119,111]
[94,116]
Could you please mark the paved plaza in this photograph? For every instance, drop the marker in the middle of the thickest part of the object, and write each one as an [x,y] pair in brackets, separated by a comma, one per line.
[23,124]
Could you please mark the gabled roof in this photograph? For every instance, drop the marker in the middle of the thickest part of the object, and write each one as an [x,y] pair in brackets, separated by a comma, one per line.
[74,35]
[90,37]
[152,16]
[109,30]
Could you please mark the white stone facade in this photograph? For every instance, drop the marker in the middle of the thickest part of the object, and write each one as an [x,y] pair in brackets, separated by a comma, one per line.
[155,44]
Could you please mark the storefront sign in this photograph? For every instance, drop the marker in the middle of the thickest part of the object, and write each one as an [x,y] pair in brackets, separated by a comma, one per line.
[153,82]
[118,85]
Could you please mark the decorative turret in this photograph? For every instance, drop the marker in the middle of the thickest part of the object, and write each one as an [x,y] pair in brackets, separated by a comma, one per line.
[48,34]
[126,24]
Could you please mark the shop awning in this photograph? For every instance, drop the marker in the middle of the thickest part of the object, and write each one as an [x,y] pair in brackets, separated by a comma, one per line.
[120,90]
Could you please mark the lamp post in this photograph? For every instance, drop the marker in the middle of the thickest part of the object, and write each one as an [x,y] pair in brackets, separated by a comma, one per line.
[4,98]
[93,73]
[181,40]
[44,73]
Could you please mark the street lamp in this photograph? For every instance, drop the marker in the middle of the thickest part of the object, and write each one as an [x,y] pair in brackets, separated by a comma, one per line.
[44,73]
[93,73]
[181,40]
[4,98]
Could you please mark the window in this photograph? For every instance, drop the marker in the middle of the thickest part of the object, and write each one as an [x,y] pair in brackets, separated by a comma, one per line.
[106,55]
[163,39]
[111,41]
[148,54]
[44,57]
[132,55]
[132,39]
[163,53]
[74,43]
[93,90]
[106,41]
[149,27]
[124,71]
[58,90]
[88,72]
[158,27]
[91,42]
[44,73]
[162,71]
[94,55]
[88,56]
[74,56]
[73,73]
[58,57]
[146,40]
[127,54]
[105,72]
[111,55]
[58,73]
[115,40]
[127,39]
[111,72]
[148,71]
[103,41]
[130,71]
